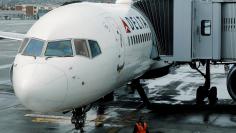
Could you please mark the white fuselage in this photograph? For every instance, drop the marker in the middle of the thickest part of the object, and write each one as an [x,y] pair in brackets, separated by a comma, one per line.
[62,83]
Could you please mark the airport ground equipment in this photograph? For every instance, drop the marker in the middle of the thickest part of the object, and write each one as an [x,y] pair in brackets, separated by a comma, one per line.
[191,31]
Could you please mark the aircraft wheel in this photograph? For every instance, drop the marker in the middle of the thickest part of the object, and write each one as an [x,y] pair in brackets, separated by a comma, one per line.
[78,118]
[77,126]
[201,94]
[212,96]
[231,82]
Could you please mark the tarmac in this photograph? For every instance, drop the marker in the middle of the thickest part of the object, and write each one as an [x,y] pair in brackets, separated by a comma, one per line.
[172,96]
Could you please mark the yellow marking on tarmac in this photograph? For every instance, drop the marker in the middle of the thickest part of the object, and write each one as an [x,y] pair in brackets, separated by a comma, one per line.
[37,118]
[47,116]
[99,120]
[50,120]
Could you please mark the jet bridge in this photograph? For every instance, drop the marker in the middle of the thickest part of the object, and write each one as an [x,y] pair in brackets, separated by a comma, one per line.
[160,14]
[190,30]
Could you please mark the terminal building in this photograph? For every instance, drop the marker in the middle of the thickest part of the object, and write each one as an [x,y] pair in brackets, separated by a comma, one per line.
[34,11]
[11,14]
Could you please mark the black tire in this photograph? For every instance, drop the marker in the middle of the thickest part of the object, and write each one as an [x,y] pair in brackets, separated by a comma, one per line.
[201,94]
[77,126]
[231,83]
[73,120]
[212,96]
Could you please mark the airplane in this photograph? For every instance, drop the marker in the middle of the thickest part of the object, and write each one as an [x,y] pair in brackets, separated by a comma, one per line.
[78,53]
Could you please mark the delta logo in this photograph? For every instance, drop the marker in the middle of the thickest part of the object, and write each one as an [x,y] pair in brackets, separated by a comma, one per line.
[127,29]
[134,23]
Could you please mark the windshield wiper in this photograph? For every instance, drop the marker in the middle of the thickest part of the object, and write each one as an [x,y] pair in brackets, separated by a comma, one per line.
[48,57]
[67,56]
[58,56]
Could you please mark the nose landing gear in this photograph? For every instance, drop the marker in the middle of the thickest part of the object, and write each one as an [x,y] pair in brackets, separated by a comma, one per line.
[205,91]
[212,96]
[135,84]
[79,116]
[78,119]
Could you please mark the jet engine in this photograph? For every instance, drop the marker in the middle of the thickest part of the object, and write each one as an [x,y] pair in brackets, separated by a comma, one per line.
[159,69]
[231,82]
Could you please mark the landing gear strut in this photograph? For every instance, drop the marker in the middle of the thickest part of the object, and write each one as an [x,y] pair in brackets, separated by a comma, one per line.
[205,90]
[136,85]
[78,117]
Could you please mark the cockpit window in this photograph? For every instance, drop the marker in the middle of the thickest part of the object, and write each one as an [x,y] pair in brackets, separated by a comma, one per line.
[94,47]
[23,44]
[34,48]
[81,47]
[59,48]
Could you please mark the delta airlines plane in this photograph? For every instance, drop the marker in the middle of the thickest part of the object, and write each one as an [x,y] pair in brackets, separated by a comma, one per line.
[78,53]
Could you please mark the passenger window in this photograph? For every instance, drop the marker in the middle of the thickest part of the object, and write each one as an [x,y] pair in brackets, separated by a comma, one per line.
[129,40]
[59,48]
[146,38]
[133,40]
[34,48]
[137,38]
[142,38]
[81,48]
[25,41]
[94,47]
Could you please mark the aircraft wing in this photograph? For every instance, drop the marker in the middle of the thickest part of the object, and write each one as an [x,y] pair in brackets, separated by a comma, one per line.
[11,35]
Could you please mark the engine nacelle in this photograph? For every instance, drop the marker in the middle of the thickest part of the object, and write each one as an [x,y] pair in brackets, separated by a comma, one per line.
[159,69]
[231,82]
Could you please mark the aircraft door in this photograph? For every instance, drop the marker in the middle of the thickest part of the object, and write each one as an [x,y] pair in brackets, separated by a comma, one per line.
[202,33]
[119,41]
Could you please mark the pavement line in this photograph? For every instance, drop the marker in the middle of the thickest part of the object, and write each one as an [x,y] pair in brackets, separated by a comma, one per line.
[50,120]
[5,66]
[37,118]
[47,116]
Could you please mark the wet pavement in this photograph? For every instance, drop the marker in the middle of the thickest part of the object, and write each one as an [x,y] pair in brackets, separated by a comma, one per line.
[173,98]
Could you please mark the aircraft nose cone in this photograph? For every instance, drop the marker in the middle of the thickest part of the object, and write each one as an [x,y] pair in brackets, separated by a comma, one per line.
[40,87]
